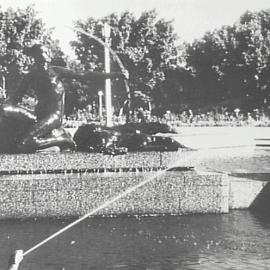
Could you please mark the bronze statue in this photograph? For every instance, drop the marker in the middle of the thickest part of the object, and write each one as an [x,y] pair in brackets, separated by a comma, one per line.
[24,131]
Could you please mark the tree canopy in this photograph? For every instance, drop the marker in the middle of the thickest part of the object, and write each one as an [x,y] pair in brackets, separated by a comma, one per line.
[146,45]
[229,63]
[20,28]
[233,62]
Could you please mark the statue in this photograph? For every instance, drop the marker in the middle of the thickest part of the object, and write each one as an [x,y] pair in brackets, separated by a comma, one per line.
[24,131]
[131,137]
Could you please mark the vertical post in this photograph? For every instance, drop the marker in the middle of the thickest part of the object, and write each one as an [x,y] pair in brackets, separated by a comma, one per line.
[4,82]
[100,94]
[3,89]
[108,92]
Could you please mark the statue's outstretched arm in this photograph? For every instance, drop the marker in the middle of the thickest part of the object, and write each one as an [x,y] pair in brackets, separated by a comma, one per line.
[89,75]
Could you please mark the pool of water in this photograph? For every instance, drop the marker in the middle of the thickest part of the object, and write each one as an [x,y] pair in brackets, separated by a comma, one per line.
[238,240]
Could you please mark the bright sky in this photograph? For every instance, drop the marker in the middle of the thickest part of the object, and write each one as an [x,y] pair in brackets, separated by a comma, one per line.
[192,18]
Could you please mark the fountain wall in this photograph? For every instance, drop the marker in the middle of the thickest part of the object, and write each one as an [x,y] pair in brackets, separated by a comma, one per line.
[75,194]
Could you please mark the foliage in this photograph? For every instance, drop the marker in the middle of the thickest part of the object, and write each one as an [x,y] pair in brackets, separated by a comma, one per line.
[145,45]
[77,94]
[233,62]
[18,29]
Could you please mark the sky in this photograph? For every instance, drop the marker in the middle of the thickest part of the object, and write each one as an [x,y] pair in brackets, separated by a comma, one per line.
[191,18]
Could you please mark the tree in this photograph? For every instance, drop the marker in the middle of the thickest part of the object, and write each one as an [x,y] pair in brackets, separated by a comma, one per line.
[77,94]
[18,29]
[205,56]
[253,37]
[145,45]
[233,62]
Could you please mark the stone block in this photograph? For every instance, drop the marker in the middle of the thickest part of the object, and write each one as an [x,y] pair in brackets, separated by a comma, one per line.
[47,195]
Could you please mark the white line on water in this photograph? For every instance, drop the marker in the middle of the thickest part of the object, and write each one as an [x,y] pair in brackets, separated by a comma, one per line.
[104,205]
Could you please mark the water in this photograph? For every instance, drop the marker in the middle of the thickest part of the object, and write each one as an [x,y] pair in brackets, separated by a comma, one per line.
[238,240]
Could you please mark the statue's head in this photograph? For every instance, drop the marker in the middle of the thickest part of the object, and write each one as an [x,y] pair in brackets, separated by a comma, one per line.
[39,52]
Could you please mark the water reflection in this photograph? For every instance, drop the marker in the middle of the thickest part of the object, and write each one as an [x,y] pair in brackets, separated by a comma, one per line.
[239,240]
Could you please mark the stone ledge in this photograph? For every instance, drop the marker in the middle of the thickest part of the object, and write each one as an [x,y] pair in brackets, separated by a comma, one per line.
[74,195]
[77,161]
[243,191]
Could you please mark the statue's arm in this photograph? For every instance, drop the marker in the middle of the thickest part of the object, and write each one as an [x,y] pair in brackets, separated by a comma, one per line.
[89,75]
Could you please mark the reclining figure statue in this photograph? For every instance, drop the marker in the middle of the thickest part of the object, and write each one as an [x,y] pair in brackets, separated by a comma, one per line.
[24,131]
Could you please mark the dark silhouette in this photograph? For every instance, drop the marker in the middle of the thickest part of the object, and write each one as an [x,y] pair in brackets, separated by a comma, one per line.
[26,131]
[131,136]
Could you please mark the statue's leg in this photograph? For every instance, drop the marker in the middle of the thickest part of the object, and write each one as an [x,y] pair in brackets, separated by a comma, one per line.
[41,135]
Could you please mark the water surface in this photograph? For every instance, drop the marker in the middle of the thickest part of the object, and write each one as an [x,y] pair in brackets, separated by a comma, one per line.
[238,240]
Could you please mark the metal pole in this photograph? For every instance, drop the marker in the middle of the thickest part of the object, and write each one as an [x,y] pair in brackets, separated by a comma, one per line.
[100,94]
[4,82]
[108,92]
[3,91]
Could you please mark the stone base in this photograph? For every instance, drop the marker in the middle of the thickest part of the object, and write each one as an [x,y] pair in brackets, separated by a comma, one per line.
[249,191]
[73,184]
[47,161]
[75,194]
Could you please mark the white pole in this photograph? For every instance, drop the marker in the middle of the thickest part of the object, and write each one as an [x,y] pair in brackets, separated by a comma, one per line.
[108,92]
[4,82]
[100,94]
[4,93]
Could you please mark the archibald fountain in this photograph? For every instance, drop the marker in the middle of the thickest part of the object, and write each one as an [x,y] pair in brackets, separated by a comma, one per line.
[24,131]
[37,188]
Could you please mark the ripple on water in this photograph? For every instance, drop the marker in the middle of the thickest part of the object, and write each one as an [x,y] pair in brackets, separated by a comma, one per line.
[238,240]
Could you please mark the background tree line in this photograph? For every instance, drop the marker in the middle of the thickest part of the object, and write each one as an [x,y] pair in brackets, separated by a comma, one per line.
[232,64]
[227,67]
